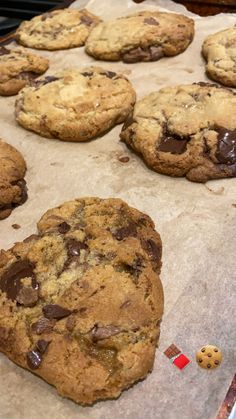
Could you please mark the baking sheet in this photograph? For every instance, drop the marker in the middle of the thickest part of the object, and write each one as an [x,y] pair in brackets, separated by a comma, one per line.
[196,223]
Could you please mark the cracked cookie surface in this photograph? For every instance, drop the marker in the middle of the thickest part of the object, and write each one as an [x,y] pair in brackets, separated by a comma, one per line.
[187,130]
[75,105]
[18,67]
[219,51]
[13,191]
[59,29]
[143,36]
[81,302]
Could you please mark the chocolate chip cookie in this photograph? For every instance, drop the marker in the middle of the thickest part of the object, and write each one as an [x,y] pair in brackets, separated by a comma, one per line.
[219,51]
[18,67]
[143,36]
[187,130]
[81,302]
[75,105]
[13,191]
[59,29]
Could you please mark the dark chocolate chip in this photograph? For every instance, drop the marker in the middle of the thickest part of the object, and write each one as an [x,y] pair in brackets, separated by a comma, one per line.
[87,74]
[109,74]
[42,345]
[10,280]
[74,247]
[34,359]
[54,311]
[203,350]
[226,147]
[208,366]
[63,227]
[151,21]
[46,80]
[216,362]
[4,51]
[86,20]
[126,231]
[22,185]
[216,350]
[200,360]
[209,355]
[152,249]
[43,325]
[172,143]
[104,332]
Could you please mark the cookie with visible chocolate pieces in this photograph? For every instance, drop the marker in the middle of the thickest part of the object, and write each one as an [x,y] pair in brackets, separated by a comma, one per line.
[13,191]
[187,130]
[81,302]
[75,105]
[18,67]
[59,29]
[219,51]
[142,36]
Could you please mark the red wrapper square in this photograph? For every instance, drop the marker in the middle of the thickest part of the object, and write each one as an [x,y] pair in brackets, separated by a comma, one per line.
[181,361]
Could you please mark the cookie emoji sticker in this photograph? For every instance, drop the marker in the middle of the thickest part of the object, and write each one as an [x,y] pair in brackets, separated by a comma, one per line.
[209,357]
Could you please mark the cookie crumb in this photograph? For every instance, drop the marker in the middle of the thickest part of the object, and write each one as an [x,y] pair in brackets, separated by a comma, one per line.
[16,226]
[124,159]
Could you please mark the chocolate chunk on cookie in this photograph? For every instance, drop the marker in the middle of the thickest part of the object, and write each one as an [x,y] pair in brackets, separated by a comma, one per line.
[100,100]
[94,326]
[59,29]
[187,130]
[18,68]
[13,191]
[142,36]
[219,51]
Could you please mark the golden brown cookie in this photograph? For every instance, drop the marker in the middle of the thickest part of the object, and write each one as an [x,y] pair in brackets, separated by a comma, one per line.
[142,36]
[219,50]
[76,104]
[81,302]
[187,130]
[59,29]
[18,67]
[13,191]
[209,357]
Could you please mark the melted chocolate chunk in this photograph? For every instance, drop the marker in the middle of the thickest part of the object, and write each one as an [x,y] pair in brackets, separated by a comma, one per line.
[151,21]
[226,147]
[104,332]
[74,247]
[27,75]
[109,74]
[34,359]
[42,345]
[172,143]
[54,311]
[63,227]
[129,121]
[140,54]
[123,232]
[4,51]
[46,80]
[152,249]
[86,20]
[22,185]
[28,296]
[10,280]
[43,325]
[87,74]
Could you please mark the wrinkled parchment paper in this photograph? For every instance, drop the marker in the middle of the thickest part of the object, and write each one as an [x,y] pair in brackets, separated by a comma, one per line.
[197,226]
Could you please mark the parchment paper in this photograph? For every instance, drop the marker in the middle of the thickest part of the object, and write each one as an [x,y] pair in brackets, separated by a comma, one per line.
[197,226]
